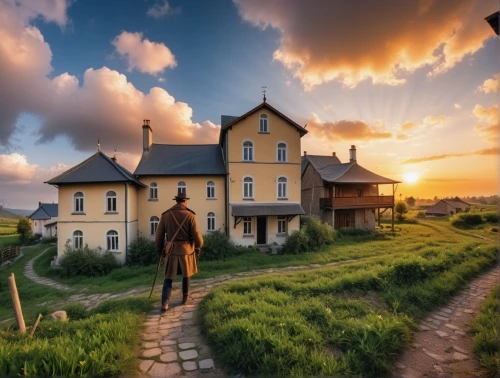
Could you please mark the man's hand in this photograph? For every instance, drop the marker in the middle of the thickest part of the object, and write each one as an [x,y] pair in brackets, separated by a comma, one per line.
[197,253]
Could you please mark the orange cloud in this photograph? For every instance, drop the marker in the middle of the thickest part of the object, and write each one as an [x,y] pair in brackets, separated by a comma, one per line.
[486,151]
[488,126]
[353,41]
[490,85]
[14,168]
[412,128]
[409,126]
[142,54]
[345,130]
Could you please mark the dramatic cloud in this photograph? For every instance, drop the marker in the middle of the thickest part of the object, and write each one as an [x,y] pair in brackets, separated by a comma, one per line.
[490,85]
[345,130]
[488,126]
[162,9]
[14,168]
[486,151]
[356,40]
[142,54]
[412,128]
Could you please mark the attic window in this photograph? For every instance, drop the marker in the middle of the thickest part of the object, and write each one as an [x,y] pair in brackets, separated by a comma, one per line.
[263,124]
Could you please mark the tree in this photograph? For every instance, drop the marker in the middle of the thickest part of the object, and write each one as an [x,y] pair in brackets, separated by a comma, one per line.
[401,209]
[24,229]
[410,201]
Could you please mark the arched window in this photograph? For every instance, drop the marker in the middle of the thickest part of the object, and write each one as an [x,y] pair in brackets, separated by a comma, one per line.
[181,187]
[247,151]
[210,221]
[281,152]
[78,202]
[153,223]
[153,191]
[263,124]
[112,240]
[111,202]
[77,239]
[282,187]
[210,189]
[248,188]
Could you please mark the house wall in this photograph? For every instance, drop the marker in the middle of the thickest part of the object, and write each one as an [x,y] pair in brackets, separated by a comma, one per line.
[196,189]
[365,218]
[312,191]
[94,222]
[37,226]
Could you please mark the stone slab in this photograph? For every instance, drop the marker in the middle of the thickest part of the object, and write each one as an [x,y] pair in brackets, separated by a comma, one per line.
[186,345]
[207,364]
[188,354]
[164,370]
[145,365]
[151,352]
[459,356]
[189,365]
[168,342]
[442,334]
[150,344]
[169,357]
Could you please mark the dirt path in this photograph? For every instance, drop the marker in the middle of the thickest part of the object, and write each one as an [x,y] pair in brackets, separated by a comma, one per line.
[443,346]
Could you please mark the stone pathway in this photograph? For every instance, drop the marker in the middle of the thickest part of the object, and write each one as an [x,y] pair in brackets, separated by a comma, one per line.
[443,346]
[30,273]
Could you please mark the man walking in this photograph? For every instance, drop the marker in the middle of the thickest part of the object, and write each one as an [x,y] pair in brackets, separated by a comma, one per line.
[178,225]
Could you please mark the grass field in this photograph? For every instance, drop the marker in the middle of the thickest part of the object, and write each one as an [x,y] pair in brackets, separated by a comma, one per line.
[8,234]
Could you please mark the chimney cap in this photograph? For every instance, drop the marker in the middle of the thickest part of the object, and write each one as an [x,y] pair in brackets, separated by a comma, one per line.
[146,122]
[305,153]
[353,147]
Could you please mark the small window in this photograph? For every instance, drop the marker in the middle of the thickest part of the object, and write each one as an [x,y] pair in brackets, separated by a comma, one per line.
[282,225]
[247,151]
[153,223]
[112,240]
[111,202]
[247,226]
[78,202]
[210,222]
[282,188]
[181,187]
[77,240]
[153,191]
[248,188]
[281,152]
[210,189]
[263,124]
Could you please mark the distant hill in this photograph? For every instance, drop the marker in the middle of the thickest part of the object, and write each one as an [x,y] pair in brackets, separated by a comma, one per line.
[14,213]
[20,212]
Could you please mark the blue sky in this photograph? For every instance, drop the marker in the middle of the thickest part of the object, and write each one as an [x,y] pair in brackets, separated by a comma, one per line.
[414,86]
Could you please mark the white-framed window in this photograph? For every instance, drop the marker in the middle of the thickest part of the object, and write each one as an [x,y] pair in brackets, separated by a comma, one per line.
[181,187]
[247,151]
[282,187]
[111,202]
[282,225]
[210,221]
[153,224]
[247,226]
[248,188]
[78,202]
[263,124]
[210,189]
[153,191]
[281,152]
[77,239]
[112,240]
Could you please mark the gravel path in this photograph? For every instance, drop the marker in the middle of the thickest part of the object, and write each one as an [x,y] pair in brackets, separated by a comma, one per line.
[30,273]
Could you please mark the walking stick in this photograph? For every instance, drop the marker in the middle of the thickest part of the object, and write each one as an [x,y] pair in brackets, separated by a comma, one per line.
[156,275]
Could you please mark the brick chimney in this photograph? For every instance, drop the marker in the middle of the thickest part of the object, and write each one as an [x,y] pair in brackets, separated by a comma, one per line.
[305,153]
[147,135]
[334,153]
[352,154]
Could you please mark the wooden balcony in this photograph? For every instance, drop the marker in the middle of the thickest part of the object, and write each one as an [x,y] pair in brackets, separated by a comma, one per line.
[353,202]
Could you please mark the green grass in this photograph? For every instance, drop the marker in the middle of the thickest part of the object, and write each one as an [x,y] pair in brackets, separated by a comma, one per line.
[103,342]
[9,240]
[346,320]
[486,328]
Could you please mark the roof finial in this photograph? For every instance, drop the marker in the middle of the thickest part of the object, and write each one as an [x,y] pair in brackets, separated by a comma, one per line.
[264,92]
[98,145]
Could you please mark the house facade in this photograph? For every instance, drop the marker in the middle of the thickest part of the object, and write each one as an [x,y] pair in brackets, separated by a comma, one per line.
[343,194]
[247,186]
[44,220]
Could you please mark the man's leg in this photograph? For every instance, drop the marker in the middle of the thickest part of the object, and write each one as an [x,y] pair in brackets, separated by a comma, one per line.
[165,294]
[185,289]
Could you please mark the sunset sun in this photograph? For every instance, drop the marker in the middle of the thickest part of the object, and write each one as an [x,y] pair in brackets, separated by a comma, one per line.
[411,177]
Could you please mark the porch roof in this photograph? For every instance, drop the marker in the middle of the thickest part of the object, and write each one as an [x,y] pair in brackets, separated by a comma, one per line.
[352,173]
[265,209]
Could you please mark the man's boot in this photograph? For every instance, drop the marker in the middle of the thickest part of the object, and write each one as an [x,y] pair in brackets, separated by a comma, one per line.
[185,290]
[165,295]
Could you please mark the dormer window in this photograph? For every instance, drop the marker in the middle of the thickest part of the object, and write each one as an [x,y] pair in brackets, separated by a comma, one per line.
[247,151]
[263,124]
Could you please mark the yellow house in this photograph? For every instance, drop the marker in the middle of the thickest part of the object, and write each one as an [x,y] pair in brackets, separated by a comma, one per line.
[247,186]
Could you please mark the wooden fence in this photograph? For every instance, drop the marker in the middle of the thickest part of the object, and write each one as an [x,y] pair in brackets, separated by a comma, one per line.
[9,253]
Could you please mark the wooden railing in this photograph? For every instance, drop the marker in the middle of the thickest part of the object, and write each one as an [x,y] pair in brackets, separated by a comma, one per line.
[346,202]
[8,253]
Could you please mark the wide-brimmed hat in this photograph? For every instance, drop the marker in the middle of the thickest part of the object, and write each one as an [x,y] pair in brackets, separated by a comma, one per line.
[181,196]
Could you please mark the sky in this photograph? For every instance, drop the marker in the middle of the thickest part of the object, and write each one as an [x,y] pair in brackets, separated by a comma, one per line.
[412,84]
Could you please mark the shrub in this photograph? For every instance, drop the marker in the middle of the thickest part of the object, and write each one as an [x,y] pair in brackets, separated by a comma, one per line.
[48,240]
[351,231]
[421,214]
[408,272]
[142,252]
[490,217]
[24,230]
[217,246]
[466,220]
[401,209]
[318,233]
[87,262]
[296,242]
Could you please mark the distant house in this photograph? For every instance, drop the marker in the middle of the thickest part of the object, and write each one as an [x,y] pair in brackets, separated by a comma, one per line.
[44,219]
[447,207]
[343,194]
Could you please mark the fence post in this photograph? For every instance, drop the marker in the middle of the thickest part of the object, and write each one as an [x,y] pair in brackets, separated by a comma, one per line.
[17,304]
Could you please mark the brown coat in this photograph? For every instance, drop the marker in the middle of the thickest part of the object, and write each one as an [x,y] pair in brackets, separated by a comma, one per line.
[187,243]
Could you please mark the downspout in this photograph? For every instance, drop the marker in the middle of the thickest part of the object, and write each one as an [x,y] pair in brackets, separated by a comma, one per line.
[226,162]
[126,221]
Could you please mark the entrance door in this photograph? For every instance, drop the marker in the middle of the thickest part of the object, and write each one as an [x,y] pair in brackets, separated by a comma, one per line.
[344,218]
[261,230]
